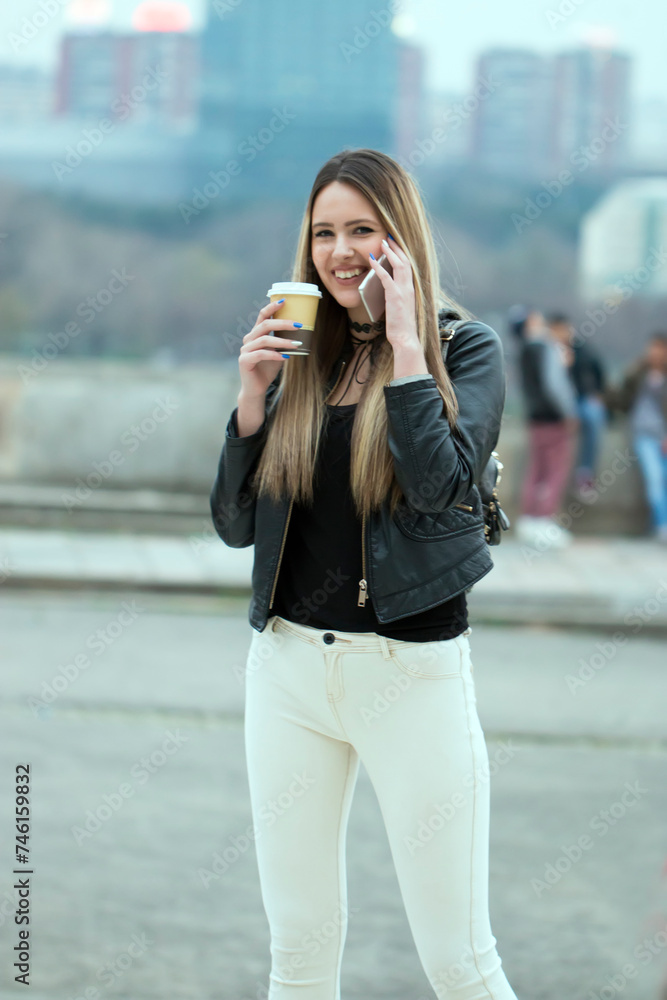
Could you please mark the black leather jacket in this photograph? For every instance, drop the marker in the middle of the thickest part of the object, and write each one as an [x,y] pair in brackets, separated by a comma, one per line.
[434,546]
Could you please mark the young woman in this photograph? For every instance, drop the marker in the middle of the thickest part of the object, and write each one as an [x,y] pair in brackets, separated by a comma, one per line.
[353,471]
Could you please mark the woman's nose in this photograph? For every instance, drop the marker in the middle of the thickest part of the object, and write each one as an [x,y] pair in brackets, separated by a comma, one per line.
[342,246]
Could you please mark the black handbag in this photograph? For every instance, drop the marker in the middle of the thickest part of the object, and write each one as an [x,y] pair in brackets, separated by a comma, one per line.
[495,518]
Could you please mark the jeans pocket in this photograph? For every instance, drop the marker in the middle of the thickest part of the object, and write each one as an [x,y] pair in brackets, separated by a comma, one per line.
[436,660]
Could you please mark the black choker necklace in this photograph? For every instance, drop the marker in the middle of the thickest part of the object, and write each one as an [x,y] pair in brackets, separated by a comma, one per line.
[378,327]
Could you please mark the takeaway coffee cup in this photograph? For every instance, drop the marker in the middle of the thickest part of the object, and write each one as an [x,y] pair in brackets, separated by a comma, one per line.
[300,306]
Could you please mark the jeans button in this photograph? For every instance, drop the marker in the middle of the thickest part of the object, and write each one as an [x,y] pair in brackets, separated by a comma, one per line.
[329,637]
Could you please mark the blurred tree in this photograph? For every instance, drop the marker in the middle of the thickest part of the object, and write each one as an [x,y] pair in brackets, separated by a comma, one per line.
[14,317]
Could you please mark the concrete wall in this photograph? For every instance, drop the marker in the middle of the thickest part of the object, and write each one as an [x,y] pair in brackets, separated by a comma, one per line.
[129,425]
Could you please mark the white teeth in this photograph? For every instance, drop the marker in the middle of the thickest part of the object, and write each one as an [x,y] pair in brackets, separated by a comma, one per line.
[348,274]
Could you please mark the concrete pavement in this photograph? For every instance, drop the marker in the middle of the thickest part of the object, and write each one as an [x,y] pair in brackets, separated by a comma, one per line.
[158,709]
[599,581]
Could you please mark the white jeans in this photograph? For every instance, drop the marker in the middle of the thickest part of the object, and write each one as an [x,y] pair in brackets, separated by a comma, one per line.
[408,710]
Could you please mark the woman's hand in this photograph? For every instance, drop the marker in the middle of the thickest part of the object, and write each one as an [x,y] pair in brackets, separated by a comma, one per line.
[400,318]
[260,359]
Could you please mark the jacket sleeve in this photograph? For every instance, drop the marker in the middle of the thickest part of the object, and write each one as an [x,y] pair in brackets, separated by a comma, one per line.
[620,397]
[436,468]
[232,499]
[556,383]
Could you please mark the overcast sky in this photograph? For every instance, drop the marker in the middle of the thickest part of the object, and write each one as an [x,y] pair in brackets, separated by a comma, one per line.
[453,34]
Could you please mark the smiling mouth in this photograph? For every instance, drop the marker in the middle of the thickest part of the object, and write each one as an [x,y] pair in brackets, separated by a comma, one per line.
[354,275]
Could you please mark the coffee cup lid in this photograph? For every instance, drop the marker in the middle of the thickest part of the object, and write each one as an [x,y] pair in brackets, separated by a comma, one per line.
[294,288]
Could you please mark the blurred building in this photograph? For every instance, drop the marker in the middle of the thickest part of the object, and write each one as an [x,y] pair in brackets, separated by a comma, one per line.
[26,94]
[147,76]
[411,120]
[511,125]
[623,247]
[144,83]
[443,140]
[591,90]
[649,135]
[545,114]
[288,83]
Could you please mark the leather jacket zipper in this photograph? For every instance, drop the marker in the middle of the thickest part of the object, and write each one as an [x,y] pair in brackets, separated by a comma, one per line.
[282,549]
[363,583]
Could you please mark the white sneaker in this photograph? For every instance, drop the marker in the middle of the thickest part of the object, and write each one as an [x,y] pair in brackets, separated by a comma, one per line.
[550,533]
[526,527]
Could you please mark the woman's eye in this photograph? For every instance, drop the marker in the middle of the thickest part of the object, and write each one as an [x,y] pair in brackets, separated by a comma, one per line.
[326,232]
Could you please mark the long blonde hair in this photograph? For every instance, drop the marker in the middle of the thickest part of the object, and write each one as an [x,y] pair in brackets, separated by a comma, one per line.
[287,463]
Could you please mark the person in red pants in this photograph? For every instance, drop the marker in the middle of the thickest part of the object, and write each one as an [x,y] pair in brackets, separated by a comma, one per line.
[551,412]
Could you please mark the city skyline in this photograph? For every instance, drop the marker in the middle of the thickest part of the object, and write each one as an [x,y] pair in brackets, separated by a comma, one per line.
[541,27]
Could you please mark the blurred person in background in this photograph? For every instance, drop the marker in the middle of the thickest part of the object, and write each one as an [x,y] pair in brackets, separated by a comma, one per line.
[642,394]
[589,381]
[552,421]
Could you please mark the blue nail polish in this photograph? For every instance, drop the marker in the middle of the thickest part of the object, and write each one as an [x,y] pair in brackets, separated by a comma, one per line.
[391,237]
[298,324]
[280,300]
[286,356]
[372,257]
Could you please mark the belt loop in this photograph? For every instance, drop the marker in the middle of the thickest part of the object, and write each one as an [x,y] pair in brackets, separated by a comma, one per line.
[384,646]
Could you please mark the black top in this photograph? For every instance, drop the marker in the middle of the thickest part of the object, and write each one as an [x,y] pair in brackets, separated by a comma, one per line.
[587,372]
[318,584]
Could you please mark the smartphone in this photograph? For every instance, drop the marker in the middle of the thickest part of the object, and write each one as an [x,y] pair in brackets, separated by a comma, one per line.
[371,290]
